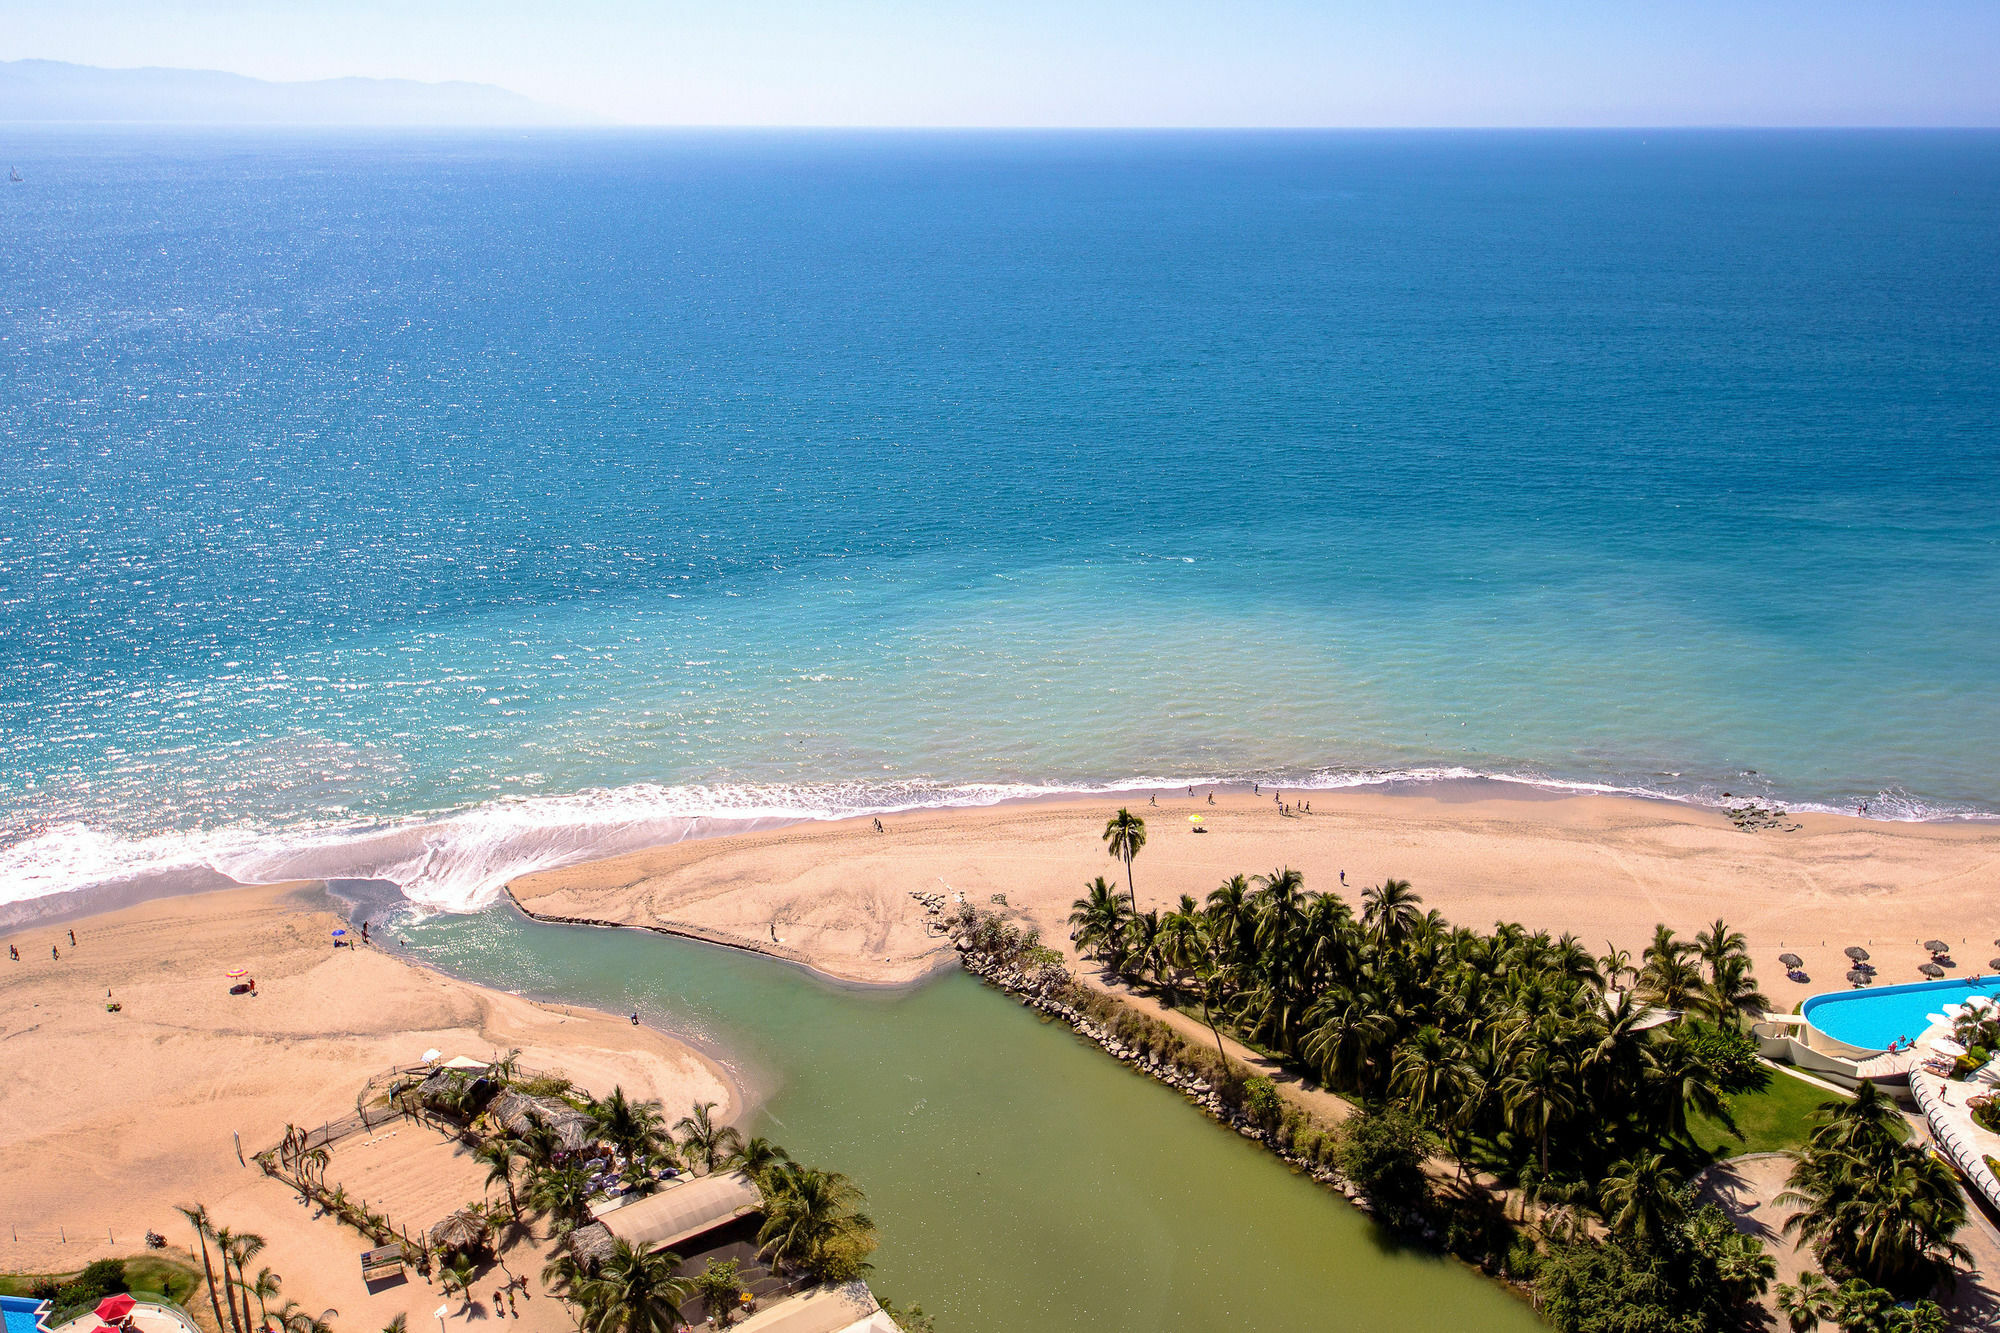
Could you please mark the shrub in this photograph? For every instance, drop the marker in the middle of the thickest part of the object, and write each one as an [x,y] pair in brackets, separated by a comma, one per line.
[1262,1103]
[1729,1055]
[1383,1153]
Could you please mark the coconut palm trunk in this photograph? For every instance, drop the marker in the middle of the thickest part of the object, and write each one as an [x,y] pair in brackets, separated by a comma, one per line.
[197,1217]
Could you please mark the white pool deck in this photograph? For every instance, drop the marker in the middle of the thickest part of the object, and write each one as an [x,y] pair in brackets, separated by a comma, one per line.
[1957,1135]
[146,1317]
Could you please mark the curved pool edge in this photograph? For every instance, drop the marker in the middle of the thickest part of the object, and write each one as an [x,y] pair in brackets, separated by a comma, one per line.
[1891,1013]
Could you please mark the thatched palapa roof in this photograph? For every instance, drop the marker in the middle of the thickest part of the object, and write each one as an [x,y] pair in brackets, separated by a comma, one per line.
[460,1230]
[592,1244]
[516,1112]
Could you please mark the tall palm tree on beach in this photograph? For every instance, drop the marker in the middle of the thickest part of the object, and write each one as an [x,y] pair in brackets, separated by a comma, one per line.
[204,1228]
[498,1155]
[1099,923]
[1125,834]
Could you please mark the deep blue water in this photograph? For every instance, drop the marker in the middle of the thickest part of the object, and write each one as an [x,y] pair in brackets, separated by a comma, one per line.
[359,479]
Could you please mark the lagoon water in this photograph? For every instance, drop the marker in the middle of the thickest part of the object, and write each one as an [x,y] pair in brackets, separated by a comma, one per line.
[444,507]
[1021,1178]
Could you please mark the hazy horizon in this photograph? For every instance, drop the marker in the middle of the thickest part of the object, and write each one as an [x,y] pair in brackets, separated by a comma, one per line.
[1114,64]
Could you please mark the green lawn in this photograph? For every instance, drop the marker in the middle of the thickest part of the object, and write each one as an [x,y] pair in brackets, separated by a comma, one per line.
[1773,1120]
[145,1274]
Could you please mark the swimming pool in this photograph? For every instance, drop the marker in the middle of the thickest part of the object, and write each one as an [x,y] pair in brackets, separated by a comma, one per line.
[23,1313]
[1871,1019]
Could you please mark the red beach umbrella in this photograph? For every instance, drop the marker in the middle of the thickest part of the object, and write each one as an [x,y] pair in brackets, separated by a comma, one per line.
[114,1308]
[237,973]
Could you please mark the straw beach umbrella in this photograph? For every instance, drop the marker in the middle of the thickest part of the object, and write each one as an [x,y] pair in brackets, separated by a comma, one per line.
[1856,952]
[1937,947]
[1858,977]
[1931,970]
[1791,960]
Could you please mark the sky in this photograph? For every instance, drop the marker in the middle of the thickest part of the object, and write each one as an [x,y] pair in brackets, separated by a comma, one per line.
[1122,63]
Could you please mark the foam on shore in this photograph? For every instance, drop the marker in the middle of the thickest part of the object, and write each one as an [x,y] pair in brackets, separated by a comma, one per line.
[460,861]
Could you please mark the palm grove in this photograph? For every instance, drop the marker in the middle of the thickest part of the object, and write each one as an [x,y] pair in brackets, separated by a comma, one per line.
[1531,1058]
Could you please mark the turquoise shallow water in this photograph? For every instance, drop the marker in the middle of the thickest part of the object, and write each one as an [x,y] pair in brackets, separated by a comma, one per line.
[1021,1178]
[518,497]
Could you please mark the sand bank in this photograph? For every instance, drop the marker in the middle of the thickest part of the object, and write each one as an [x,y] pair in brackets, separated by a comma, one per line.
[836,896]
[107,1120]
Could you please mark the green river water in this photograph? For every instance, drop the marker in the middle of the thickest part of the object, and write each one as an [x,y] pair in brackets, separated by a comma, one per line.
[1021,1178]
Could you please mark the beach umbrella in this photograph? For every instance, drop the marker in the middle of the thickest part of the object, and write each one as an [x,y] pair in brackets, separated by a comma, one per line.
[1791,960]
[237,973]
[1946,1046]
[1858,977]
[1931,970]
[1856,952]
[1937,946]
[114,1308]
[1993,963]
[1194,819]
[339,933]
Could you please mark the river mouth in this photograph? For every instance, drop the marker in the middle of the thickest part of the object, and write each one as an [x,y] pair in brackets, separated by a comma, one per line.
[1020,1178]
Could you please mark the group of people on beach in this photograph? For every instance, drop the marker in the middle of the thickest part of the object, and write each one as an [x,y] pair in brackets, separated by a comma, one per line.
[55,950]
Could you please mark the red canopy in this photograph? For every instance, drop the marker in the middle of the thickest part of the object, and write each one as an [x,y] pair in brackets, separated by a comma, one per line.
[114,1308]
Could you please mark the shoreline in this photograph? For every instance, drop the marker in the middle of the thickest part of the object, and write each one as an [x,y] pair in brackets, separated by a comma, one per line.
[115,1116]
[838,898]
[439,855]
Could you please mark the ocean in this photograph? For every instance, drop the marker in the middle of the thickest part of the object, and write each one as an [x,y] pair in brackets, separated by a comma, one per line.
[439,507]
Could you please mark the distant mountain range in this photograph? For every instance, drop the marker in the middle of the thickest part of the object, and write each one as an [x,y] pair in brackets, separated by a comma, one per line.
[51,90]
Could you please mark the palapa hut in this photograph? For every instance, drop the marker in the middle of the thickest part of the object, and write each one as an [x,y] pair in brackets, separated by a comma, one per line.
[591,1245]
[516,1112]
[458,1231]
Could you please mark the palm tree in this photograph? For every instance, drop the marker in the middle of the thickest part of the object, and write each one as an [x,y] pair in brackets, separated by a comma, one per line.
[1716,944]
[1537,1094]
[499,1155]
[1668,978]
[1125,834]
[1731,992]
[237,1249]
[1614,963]
[562,1192]
[1099,922]
[1643,1201]
[757,1156]
[636,1128]
[1808,1303]
[400,1323]
[810,1216]
[204,1228]
[634,1292]
[458,1275]
[1389,910]
[294,1320]
[1344,1033]
[706,1142]
[263,1288]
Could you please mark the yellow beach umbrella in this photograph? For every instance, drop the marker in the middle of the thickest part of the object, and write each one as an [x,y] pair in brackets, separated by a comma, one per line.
[1194,819]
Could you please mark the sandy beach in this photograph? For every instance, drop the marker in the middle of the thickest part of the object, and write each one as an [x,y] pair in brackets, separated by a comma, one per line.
[836,896]
[108,1120]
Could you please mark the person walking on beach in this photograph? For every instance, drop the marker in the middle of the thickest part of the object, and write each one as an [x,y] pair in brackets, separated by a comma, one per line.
[55,953]
[13,953]
[72,939]
[1343,879]
[1211,798]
